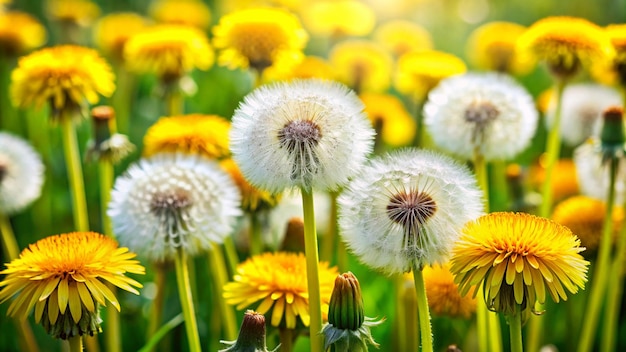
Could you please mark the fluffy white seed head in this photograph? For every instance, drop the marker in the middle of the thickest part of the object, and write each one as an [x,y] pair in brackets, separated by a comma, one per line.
[172,201]
[406,209]
[21,174]
[303,133]
[593,173]
[581,111]
[485,112]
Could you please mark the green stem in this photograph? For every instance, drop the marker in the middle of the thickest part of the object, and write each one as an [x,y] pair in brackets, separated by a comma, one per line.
[40,138]
[158,335]
[480,169]
[482,322]
[256,234]
[156,310]
[423,312]
[113,331]
[106,175]
[232,259]
[122,99]
[312,271]
[220,278]
[329,243]
[186,300]
[286,340]
[175,103]
[76,343]
[411,317]
[75,174]
[515,329]
[600,272]
[9,243]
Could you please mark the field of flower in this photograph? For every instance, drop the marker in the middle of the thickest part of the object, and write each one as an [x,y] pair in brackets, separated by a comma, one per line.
[322,175]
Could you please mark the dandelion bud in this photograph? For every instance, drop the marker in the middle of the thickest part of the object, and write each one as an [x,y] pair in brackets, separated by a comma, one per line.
[251,334]
[107,143]
[612,134]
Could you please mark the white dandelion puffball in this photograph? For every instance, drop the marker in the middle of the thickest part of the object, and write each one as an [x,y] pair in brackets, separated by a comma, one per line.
[21,174]
[593,174]
[172,201]
[581,110]
[485,113]
[407,208]
[303,133]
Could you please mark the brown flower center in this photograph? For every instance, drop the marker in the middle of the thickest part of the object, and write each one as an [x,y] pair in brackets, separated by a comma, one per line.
[411,210]
[299,138]
[480,114]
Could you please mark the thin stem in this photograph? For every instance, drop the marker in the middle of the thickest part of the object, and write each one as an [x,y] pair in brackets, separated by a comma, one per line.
[174,103]
[9,243]
[329,243]
[40,138]
[158,335]
[122,99]
[186,300]
[411,316]
[75,174]
[482,322]
[76,343]
[256,234]
[423,312]
[106,175]
[231,254]
[156,310]
[312,272]
[286,340]
[480,169]
[113,332]
[515,329]
[600,272]
[220,278]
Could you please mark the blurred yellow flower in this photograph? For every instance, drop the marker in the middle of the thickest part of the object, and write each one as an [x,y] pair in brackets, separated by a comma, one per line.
[418,72]
[279,281]
[67,76]
[567,44]
[617,34]
[517,258]
[206,135]
[80,12]
[19,33]
[363,65]
[193,13]
[395,126]
[252,198]
[169,51]
[585,217]
[493,47]
[113,30]
[68,271]
[443,294]
[401,37]
[339,18]
[259,38]
[564,178]
[309,67]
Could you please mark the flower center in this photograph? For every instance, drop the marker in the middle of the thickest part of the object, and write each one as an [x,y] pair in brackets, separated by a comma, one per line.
[480,114]
[299,138]
[171,210]
[411,210]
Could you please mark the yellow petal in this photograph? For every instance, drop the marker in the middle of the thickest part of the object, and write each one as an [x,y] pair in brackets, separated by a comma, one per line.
[277,314]
[85,296]
[74,302]
[63,293]
[53,307]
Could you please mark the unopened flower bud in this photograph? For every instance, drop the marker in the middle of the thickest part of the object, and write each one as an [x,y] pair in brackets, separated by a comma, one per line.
[251,334]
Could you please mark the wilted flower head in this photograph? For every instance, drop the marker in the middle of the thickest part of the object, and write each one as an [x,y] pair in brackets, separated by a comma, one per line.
[485,113]
[443,294]
[339,18]
[582,106]
[364,66]
[206,135]
[517,258]
[64,278]
[392,122]
[19,33]
[279,281]
[169,51]
[302,133]
[567,44]
[193,13]
[405,209]
[67,76]
[493,47]
[173,201]
[259,38]
[21,174]
[113,31]
[402,36]
[418,72]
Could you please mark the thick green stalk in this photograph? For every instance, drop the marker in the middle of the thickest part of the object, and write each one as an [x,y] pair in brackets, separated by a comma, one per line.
[286,339]
[76,344]
[105,169]
[329,243]
[75,174]
[174,103]
[113,333]
[256,234]
[9,243]
[186,300]
[219,274]
[231,255]
[312,272]
[601,270]
[411,317]
[515,329]
[423,311]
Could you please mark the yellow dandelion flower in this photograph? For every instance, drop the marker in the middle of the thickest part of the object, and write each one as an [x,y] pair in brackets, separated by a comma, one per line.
[169,51]
[418,72]
[20,32]
[193,13]
[443,294]
[517,258]
[493,47]
[401,37]
[393,123]
[309,67]
[80,12]
[363,65]
[564,178]
[585,217]
[68,271]
[617,35]
[279,281]
[113,30]
[252,198]
[339,18]
[67,76]
[567,44]
[259,38]
[206,135]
